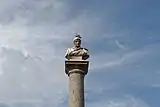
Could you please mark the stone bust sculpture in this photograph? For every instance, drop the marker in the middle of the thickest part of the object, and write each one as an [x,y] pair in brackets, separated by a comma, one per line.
[77,51]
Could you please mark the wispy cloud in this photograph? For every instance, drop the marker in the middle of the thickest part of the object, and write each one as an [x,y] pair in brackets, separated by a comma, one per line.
[128,101]
[34,36]
[119,59]
[33,43]
[119,45]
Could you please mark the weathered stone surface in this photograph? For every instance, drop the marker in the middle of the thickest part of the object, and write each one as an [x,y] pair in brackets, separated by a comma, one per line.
[76,89]
[76,70]
[70,65]
[76,67]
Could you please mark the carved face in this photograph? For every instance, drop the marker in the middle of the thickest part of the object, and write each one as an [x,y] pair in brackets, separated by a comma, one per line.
[77,43]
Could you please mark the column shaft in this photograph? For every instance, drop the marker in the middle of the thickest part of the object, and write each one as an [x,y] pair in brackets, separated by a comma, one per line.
[76,89]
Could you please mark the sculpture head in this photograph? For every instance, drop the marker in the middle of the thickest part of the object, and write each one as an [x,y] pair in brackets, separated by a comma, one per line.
[77,41]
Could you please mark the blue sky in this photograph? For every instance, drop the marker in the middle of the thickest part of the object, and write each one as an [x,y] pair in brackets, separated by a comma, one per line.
[122,37]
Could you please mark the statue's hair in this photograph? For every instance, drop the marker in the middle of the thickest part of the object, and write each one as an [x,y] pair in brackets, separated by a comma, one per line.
[77,36]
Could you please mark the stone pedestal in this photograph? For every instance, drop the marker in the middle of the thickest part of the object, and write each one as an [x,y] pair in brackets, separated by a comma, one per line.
[76,70]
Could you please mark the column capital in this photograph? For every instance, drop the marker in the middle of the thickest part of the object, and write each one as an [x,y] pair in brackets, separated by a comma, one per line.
[80,66]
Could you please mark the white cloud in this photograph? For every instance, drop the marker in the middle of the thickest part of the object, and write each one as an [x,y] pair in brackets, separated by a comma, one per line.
[29,77]
[33,38]
[33,44]
[128,101]
[113,60]
[119,44]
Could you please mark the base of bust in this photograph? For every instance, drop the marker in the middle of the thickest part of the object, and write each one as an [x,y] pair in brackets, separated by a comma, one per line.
[75,58]
[78,58]
[76,65]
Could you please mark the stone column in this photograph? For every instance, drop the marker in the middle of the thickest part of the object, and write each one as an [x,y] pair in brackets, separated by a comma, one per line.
[76,70]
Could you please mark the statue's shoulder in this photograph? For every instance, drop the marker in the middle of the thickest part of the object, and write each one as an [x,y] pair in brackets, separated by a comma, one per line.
[85,49]
[70,49]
